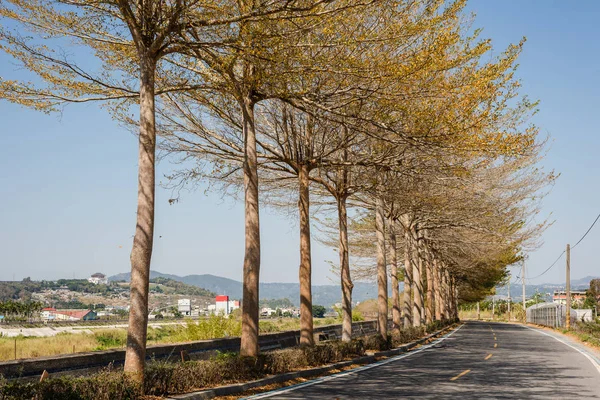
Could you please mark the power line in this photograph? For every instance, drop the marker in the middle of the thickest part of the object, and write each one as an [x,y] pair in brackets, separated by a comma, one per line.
[517,279]
[550,267]
[588,231]
[561,254]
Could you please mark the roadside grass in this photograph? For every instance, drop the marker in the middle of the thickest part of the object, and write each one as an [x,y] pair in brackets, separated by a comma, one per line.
[31,347]
[586,332]
[214,327]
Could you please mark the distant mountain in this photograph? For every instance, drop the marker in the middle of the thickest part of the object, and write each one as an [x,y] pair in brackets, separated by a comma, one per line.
[583,281]
[325,295]
[545,288]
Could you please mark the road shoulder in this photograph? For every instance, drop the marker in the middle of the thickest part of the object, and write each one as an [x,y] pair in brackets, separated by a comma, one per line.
[590,352]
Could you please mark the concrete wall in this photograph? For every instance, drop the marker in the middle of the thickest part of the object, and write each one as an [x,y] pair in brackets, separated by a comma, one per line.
[85,362]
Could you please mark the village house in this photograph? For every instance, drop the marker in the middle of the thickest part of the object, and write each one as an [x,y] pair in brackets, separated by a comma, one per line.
[98,279]
[52,314]
[577,297]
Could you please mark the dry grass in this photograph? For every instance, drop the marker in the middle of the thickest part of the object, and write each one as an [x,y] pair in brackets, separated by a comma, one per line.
[46,346]
[103,339]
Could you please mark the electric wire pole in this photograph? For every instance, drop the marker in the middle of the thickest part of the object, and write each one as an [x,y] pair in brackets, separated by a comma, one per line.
[568,291]
[509,300]
[523,280]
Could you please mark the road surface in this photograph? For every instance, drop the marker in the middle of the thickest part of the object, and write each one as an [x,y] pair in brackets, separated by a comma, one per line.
[479,360]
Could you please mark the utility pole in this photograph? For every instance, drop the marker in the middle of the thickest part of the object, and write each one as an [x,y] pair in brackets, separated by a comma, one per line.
[478,315]
[493,308]
[523,280]
[509,300]
[568,322]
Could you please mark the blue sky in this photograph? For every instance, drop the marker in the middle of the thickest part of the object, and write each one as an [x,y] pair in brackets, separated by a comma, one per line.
[68,182]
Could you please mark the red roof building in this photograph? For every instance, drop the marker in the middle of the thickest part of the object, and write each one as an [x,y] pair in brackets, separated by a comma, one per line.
[74,315]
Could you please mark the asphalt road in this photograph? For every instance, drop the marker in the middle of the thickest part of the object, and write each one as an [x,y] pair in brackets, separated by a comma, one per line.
[481,360]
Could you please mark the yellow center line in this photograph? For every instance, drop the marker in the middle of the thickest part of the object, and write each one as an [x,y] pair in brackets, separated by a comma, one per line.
[466,371]
[495,345]
[488,357]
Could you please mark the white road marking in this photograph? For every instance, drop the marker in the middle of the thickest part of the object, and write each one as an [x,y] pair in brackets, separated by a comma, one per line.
[594,363]
[353,371]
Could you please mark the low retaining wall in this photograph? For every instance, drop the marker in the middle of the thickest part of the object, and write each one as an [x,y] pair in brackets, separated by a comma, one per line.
[83,362]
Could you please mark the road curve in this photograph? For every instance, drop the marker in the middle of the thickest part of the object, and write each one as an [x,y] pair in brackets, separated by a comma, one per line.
[480,360]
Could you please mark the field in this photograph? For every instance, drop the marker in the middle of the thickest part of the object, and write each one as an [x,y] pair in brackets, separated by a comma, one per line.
[103,339]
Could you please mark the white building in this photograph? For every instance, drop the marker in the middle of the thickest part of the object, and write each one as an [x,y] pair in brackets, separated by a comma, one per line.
[267,312]
[584,315]
[184,306]
[48,313]
[98,279]
[225,306]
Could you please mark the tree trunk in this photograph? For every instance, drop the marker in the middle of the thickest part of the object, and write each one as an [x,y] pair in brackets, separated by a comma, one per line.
[455,298]
[451,297]
[417,287]
[436,290]
[306,317]
[396,317]
[382,298]
[447,295]
[430,296]
[444,292]
[141,253]
[249,339]
[408,281]
[347,284]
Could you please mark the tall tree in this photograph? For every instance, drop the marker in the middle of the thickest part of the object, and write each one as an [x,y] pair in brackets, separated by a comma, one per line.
[393,261]
[382,284]
[129,39]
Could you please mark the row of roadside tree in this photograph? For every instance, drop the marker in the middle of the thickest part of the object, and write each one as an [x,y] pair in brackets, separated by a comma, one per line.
[393,116]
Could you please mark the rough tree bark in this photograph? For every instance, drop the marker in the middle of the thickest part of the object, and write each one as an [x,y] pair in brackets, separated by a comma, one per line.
[306,317]
[455,298]
[347,284]
[408,281]
[382,298]
[430,292]
[141,253]
[445,302]
[436,290]
[417,286]
[250,311]
[396,316]
[450,298]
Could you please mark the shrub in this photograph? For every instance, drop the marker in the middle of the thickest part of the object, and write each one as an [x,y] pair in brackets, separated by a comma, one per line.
[436,326]
[407,335]
[108,339]
[357,316]
[162,378]
[377,343]
[318,311]
[105,385]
